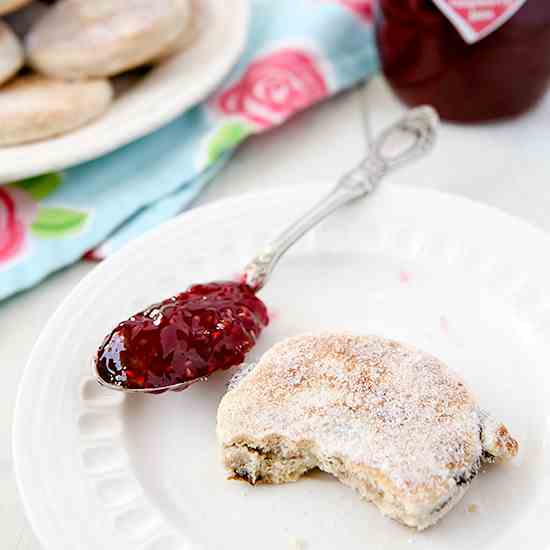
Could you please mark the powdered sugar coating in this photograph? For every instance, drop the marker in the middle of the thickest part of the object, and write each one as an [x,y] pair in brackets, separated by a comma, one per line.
[79,39]
[34,107]
[374,403]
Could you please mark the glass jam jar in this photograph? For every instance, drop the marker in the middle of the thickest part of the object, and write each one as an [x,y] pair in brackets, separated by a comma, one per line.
[426,60]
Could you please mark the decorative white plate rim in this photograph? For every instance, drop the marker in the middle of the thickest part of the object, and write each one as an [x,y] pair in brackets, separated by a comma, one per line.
[36,486]
[200,67]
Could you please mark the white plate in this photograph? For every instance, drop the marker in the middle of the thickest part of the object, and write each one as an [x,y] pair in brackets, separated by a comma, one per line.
[99,470]
[167,91]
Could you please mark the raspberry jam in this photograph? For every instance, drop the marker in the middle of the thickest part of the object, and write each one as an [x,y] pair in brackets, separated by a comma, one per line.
[189,336]
[427,61]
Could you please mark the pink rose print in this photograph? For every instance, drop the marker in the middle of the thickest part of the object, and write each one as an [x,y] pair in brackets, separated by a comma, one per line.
[23,215]
[15,211]
[361,8]
[274,87]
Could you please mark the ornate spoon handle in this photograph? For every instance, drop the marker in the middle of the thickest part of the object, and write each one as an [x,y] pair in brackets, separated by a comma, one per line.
[409,138]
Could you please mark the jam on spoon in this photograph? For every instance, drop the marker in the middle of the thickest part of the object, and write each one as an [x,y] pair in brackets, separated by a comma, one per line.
[210,327]
[187,337]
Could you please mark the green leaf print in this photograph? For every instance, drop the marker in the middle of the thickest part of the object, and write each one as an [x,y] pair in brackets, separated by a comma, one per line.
[227,137]
[40,187]
[52,222]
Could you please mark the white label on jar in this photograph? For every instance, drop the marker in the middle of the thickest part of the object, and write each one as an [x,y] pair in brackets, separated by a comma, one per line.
[475,19]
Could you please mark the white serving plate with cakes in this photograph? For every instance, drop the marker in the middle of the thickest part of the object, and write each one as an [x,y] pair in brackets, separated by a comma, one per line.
[185,68]
[102,469]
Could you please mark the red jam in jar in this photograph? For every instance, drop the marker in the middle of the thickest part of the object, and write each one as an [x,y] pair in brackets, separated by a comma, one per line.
[427,61]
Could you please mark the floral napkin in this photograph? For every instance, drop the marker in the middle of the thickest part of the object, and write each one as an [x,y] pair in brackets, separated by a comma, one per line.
[299,52]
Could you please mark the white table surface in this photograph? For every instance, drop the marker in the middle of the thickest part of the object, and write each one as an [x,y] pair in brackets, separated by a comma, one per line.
[504,165]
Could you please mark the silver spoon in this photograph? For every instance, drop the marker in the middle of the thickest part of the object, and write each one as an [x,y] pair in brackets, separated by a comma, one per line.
[409,138]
